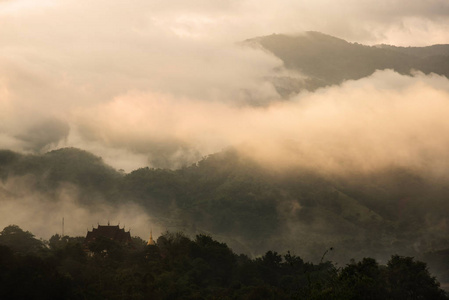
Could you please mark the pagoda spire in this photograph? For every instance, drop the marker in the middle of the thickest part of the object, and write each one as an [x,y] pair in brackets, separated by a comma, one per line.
[150,240]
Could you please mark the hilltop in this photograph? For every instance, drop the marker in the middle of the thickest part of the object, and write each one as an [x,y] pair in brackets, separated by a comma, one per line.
[326,60]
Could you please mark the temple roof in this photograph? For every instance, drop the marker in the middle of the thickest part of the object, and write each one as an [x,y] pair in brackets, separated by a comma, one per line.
[113,232]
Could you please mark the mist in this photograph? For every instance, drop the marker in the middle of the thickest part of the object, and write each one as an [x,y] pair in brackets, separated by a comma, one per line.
[384,120]
[41,212]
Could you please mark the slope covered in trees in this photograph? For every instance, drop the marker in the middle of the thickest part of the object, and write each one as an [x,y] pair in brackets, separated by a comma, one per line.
[326,60]
[254,209]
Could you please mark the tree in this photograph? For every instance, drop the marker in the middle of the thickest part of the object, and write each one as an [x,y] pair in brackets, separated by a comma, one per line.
[410,279]
[363,280]
[105,247]
[20,241]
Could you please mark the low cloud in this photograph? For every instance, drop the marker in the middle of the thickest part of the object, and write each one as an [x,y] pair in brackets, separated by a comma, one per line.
[384,120]
[165,83]
[381,121]
[18,194]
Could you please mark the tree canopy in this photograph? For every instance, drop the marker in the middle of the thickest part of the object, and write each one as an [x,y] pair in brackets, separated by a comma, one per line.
[179,267]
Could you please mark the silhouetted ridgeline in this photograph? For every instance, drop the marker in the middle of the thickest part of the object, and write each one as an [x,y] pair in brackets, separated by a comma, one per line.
[178,267]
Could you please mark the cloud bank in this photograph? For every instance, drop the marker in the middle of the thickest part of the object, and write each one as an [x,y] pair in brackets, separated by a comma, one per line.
[366,125]
[163,83]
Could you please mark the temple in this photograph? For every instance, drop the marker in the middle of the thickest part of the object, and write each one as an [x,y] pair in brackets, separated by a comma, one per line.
[113,232]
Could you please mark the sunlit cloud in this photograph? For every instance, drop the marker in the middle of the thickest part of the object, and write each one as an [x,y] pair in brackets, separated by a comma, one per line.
[167,82]
[381,121]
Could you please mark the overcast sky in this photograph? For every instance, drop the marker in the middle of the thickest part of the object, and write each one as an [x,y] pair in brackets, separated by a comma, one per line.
[163,83]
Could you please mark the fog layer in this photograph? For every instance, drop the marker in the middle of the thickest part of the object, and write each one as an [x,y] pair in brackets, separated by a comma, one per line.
[41,213]
[165,83]
[384,120]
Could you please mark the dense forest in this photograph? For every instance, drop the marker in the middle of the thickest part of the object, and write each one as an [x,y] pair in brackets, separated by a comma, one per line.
[179,267]
[254,209]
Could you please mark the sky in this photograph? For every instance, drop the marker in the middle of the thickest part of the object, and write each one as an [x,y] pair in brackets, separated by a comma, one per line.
[164,83]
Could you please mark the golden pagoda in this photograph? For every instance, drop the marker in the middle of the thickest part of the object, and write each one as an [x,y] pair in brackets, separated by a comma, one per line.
[150,240]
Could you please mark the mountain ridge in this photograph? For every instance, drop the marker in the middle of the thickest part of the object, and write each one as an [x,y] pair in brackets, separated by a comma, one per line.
[326,60]
[254,209]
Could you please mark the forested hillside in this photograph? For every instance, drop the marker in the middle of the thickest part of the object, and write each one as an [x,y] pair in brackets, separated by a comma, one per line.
[326,60]
[254,209]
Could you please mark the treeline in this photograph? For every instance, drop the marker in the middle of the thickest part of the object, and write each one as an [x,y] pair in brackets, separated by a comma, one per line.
[201,268]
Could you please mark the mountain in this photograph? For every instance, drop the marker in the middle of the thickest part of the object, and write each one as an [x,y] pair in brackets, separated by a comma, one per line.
[326,60]
[254,209]
[46,173]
